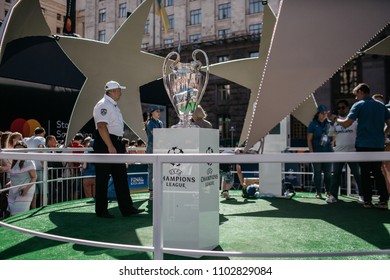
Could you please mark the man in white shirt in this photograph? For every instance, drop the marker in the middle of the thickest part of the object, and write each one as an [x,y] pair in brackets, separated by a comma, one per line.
[108,139]
[344,142]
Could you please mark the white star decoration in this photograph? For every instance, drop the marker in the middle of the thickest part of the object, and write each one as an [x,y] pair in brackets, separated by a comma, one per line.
[121,60]
[24,19]
[307,50]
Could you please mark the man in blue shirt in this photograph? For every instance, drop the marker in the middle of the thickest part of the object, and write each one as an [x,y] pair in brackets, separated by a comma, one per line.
[370,137]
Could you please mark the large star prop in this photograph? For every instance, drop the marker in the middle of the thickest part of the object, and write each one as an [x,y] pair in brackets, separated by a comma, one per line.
[24,19]
[247,72]
[306,50]
[121,60]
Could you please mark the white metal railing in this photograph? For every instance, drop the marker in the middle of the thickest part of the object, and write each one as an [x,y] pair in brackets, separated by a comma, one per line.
[159,159]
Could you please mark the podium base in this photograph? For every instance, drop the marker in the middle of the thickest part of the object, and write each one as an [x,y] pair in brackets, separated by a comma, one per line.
[190,191]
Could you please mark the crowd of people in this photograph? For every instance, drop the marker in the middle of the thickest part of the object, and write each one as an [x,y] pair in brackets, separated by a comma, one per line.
[28,173]
[362,127]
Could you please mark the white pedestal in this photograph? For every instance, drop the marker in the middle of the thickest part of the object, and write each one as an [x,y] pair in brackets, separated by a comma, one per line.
[270,178]
[271,173]
[191,191]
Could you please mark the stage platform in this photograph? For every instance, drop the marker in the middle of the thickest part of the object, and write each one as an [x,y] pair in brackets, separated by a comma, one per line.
[271,225]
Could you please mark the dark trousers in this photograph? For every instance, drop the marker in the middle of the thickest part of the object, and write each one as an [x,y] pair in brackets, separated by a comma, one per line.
[119,176]
[375,167]
[318,169]
[337,169]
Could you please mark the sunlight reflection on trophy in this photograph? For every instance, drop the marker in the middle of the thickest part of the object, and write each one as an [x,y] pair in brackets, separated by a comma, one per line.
[185,85]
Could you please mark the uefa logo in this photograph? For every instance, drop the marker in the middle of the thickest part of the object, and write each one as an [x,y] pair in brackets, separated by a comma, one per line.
[175,151]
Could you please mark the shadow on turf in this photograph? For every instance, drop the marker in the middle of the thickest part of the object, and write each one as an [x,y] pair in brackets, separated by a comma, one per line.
[367,224]
[85,225]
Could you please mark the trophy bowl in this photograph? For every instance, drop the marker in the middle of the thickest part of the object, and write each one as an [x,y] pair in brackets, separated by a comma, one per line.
[185,85]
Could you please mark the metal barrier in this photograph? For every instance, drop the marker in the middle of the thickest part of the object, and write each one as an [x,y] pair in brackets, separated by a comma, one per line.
[159,159]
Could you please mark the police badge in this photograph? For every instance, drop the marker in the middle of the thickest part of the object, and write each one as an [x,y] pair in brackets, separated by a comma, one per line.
[103,112]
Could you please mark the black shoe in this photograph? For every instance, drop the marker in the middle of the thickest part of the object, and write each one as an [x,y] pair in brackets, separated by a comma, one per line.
[105,215]
[134,211]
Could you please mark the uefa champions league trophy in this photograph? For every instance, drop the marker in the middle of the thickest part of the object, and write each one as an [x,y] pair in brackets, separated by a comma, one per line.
[185,85]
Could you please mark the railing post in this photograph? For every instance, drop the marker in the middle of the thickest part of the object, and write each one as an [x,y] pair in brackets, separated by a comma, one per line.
[348,171]
[157,210]
[45,183]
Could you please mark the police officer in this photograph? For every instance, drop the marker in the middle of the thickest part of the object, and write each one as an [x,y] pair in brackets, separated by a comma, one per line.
[108,139]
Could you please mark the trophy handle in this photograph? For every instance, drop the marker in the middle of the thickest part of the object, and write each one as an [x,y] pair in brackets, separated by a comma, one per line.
[173,64]
[199,65]
[165,74]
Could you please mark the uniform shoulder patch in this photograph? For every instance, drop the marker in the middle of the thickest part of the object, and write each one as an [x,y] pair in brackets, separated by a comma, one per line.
[103,112]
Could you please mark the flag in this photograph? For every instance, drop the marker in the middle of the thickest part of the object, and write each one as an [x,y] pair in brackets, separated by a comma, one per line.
[160,10]
[70,18]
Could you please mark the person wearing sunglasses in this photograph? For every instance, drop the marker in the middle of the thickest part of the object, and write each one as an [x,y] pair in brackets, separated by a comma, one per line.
[22,173]
[344,142]
[372,116]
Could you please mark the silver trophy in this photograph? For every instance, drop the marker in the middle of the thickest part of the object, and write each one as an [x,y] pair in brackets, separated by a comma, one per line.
[185,85]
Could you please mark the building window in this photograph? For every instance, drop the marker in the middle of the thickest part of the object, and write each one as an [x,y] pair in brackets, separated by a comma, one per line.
[224,11]
[168,3]
[168,43]
[255,28]
[171,19]
[222,58]
[102,15]
[147,27]
[102,35]
[144,45]
[59,17]
[223,33]
[223,93]
[195,17]
[122,10]
[348,77]
[194,38]
[254,54]
[58,30]
[255,6]
[223,125]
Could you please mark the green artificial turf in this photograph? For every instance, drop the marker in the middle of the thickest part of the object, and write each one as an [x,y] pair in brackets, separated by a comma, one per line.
[270,225]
